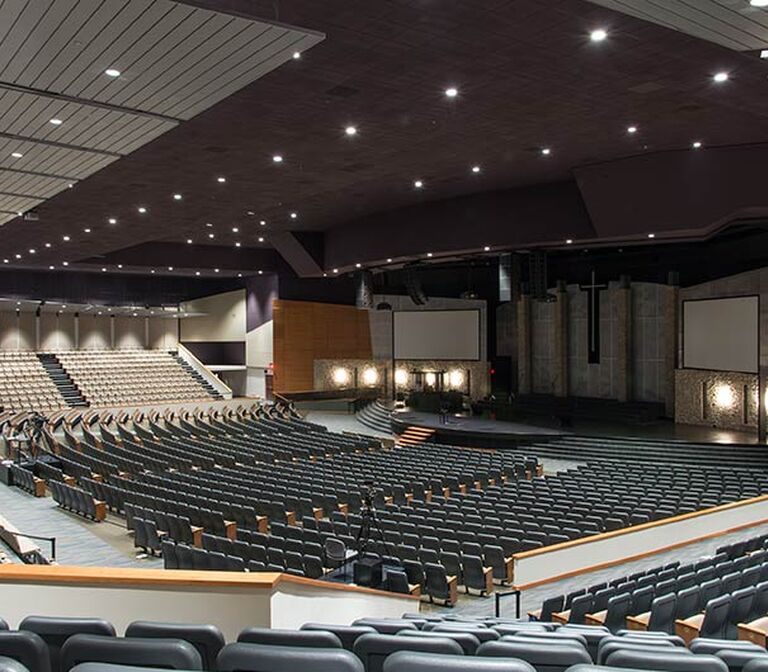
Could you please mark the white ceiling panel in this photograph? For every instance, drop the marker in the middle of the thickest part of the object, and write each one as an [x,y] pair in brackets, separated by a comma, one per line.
[6,217]
[11,203]
[734,24]
[175,60]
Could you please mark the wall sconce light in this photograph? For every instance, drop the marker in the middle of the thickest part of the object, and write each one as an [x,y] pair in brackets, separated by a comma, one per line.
[456,379]
[401,377]
[430,379]
[341,376]
[724,396]
[370,376]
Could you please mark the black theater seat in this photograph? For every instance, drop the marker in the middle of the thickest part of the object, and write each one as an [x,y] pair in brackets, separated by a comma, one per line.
[317,639]
[263,658]
[374,649]
[11,665]
[412,661]
[173,654]
[55,631]
[207,639]
[27,648]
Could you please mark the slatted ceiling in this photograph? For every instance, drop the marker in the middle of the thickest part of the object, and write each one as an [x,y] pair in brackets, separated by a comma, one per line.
[6,217]
[50,159]
[17,203]
[28,183]
[730,23]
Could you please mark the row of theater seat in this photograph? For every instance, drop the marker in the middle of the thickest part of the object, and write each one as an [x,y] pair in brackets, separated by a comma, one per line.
[413,643]
[77,500]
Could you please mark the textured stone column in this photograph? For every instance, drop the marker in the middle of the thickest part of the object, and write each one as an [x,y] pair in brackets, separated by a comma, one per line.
[524,354]
[670,319]
[561,341]
[623,302]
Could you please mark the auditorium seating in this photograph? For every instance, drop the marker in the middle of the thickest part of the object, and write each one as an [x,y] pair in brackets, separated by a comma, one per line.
[78,501]
[121,377]
[414,643]
[25,385]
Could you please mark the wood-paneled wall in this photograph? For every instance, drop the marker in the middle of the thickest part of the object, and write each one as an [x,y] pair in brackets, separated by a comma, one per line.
[305,331]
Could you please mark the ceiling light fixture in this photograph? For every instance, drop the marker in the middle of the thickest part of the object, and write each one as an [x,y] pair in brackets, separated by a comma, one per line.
[569,241]
[418,184]
[221,180]
[237,244]
[546,151]
[112,220]
[335,270]
[65,263]
[358,265]
[721,77]
[56,122]
[112,72]
[632,129]
[294,215]
[32,250]
[142,210]
[475,169]
[261,272]
[210,235]
[651,235]
[598,35]
[696,145]
[215,270]
[296,55]
[119,265]
[277,158]
[486,249]
[65,239]
[197,272]
[87,230]
[18,256]
[451,92]
[103,270]
[16,155]
[262,223]
[261,239]
[47,244]
[189,241]
[389,260]
[235,229]
[350,130]
[177,197]
[429,254]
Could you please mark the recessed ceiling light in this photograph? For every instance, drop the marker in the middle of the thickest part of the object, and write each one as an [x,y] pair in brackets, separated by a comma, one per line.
[451,92]
[189,241]
[235,229]
[170,268]
[5,261]
[475,169]
[418,184]
[277,158]
[211,235]
[119,265]
[65,263]
[239,275]
[294,215]
[598,35]
[112,220]
[262,222]
[16,155]
[696,145]
[87,230]
[261,239]
[569,241]
[64,306]
[51,268]
[221,179]
[237,244]
[215,270]
[177,197]
[651,235]
[142,210]
[759,3]
[261,272]
[56,122]
[486,249]
[32,250]
[197,272]
[389,260]
[112,72]
[350,130]
[546,151]
[296,55]
[208,224]
[65,239]
[358,265]
[103,270]
[134,314]
[18,256]
[764,52]
[632,129]
[721,77]
[429,254]
[47,244]
[335,270]
[152,271]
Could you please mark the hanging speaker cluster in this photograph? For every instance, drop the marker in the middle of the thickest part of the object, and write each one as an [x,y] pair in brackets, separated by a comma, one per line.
[413,286]
[364,290]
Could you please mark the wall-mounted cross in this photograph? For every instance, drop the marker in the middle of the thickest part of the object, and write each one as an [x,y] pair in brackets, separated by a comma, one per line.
[593,319]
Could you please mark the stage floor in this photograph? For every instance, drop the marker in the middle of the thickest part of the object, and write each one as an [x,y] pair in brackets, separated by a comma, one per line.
[476,425]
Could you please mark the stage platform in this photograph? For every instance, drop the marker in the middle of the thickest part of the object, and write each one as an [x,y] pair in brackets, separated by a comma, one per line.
[475,432]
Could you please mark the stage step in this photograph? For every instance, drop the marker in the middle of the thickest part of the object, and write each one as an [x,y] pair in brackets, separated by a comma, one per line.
[413,436]
[376,416]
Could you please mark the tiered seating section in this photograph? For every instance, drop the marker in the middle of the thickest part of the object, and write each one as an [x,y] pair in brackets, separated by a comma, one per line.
[413,643]
[723,597]
[25,385]
[125,377]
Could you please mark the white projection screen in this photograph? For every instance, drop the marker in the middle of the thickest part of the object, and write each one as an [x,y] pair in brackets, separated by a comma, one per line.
[437,334]
[721,334]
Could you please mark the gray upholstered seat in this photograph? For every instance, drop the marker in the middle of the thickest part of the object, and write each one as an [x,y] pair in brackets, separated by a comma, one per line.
[11,665]
[347,634]
[409,661]
[374,649]
[27,648]
[481,633]
[54,631]
[316,639]
[207,639]
[468,641]
[756,665]
[673,660]
[243,657]
[705,645]
[387,626]
[554,657]
[607,647]
[737,658]
[173,654]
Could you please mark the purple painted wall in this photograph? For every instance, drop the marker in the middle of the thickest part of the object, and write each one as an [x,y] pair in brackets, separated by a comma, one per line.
[260,292]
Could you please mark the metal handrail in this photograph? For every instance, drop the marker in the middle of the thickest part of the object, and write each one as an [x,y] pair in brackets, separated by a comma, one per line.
[36,537]
[498,596]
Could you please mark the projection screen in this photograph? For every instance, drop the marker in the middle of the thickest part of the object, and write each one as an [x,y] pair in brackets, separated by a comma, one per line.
[721,334]
[437,334]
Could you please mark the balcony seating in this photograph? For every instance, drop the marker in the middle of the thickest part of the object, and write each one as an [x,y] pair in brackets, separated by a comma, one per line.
[207,639]
[173,654]
[55,632]
[78,501]
[258,658]
[26,386]
[413,661]
[26,648]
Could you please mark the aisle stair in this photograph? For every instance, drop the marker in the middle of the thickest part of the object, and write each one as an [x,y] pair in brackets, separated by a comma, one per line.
[413,436]
[209,389]
[376,416]
[67,387]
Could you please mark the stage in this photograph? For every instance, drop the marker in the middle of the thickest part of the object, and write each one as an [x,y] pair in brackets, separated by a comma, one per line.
[475,432]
